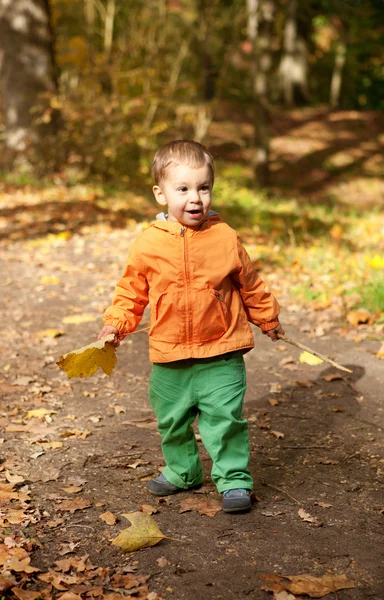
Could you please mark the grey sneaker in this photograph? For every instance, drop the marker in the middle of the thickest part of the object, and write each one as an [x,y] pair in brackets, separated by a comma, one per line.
[236,500]
[160,486]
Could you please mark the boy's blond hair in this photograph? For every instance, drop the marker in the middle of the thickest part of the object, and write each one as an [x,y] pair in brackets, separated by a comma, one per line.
[179,152]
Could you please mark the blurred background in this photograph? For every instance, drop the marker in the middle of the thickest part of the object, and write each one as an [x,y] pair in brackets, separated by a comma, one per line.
[287,94]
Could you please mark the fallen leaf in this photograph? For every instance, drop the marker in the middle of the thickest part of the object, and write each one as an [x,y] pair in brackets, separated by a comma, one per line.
[143,533]
[69,596]
[310,359]
[162,562]
[332,376]
[14,479]
[73,489]
[5,584]
[51,445]
[315,587]
[273,402]
[68,548]
[78,433]
[277,434]
[50,333]
[324,504]
[77,319]
[147,423]
[284,596]
[304,383]
[380,353]
[128,581]
[25,594]
[148,509]
[21,566]
[268,513]
[360,317]
[204,506]
[307,517]
[40,413]
[85,361]
[75,504]
[108,518]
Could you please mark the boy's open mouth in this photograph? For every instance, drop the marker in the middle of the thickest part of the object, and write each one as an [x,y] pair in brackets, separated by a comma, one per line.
[196,211]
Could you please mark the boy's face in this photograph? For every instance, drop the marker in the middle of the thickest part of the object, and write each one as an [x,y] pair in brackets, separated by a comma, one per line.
[187,192]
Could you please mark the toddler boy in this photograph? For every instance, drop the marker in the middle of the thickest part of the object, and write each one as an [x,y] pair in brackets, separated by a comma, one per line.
[202,290]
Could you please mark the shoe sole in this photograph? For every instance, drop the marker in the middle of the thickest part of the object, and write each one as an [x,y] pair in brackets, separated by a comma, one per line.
[173,492]
[238,509]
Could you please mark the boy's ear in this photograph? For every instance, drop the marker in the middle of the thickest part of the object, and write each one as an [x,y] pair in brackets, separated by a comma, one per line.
[159,195]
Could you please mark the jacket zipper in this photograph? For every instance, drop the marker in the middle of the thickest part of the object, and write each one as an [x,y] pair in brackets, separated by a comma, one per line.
[187,282]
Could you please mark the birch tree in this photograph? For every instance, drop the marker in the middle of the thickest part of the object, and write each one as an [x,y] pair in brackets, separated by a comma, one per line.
[27,70]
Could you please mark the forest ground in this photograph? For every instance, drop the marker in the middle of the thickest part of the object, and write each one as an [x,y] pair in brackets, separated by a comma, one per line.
[316,439]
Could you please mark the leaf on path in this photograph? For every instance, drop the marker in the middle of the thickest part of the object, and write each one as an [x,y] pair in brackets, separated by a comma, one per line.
[324,504]
[277,434]
[69,596]
[162,562]
[5,584]
[75,504]
[204,506]
[77,319]
[51,445]
[315,587]
[360,317]
[148,509]
[108,518]
[20,566]
[284,596]
[13,479]
[332,376]
[304,383]
[310,359]
[85,361]
[268,513]
[128,581]
[25,594]
[77,433]
[50,333]
[73,489]
[147,423]
[380,353]
[307,517]
[40,413]
[143,533]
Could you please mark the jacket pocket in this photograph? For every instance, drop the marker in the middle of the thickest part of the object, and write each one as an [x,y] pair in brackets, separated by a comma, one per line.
[197,316]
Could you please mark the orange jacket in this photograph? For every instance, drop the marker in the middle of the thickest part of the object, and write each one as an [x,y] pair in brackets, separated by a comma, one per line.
[202,290]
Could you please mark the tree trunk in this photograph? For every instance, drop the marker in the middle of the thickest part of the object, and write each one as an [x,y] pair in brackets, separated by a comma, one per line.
[260,27]
[293,67]
[27,70]
[337,74]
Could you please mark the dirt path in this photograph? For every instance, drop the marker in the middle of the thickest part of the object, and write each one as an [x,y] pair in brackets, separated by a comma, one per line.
[316,445]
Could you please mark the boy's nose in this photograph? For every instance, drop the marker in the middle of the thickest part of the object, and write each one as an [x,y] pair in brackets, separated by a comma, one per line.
[195,197]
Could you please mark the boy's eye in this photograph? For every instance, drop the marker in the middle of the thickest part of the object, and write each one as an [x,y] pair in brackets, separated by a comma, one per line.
[182,189]
[205,188]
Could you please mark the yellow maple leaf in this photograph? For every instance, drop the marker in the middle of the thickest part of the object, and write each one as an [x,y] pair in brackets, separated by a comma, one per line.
[143,533]
[310,359]
[85,361]
[40,413]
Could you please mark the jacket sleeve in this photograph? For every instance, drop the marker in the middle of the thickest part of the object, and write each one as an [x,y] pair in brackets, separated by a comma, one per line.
[130,297]
[260,305]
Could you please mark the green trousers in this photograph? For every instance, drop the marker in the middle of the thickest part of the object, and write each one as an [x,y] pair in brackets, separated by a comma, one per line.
[212,389]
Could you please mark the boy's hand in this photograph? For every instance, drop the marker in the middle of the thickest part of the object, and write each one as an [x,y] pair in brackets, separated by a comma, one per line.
[107,329]
[273,333]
